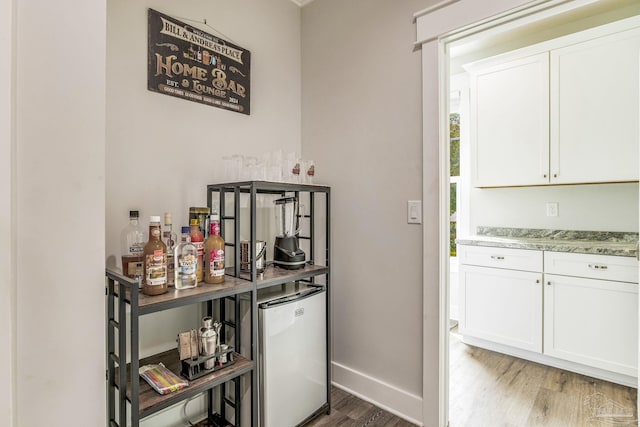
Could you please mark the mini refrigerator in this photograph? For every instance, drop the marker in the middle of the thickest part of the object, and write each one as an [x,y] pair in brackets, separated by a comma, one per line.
[292,356]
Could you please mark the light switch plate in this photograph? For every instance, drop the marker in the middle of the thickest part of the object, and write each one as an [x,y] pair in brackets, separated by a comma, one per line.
[414,211]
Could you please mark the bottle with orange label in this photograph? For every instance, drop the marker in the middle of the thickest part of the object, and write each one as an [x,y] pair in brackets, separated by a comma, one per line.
[214,253]
[197,239]
[155,261]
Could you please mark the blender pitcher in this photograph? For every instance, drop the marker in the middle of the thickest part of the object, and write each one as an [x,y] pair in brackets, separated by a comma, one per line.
[286,252]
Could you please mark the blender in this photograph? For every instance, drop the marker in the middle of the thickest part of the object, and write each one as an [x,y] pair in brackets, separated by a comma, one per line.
[286,253]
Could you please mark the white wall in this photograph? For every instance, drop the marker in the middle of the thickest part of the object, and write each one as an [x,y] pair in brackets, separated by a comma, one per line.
[7,237]
[60,141]
[598,207]
[362,123]
[163,151]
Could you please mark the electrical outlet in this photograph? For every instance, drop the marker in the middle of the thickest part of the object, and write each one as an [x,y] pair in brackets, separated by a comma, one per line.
[552,209]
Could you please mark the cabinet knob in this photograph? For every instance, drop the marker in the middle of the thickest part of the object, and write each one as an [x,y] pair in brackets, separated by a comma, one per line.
[538,281]
[548,283]
[544,176]
[555,175]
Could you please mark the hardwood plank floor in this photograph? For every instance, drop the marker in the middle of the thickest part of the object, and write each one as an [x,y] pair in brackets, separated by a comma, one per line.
[348,410]
[490,389]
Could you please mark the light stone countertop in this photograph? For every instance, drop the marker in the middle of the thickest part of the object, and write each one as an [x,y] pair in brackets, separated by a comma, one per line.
[584,242]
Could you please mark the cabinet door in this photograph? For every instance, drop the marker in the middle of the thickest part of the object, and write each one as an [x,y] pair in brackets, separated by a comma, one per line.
[594,110]
[503,306]
[510,123]
[593,322]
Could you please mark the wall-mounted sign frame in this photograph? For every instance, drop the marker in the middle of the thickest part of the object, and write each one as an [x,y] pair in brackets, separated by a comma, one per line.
[188,63]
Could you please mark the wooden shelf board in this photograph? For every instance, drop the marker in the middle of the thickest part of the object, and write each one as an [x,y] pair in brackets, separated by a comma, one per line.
[150,401]
[276,275]
[179,297]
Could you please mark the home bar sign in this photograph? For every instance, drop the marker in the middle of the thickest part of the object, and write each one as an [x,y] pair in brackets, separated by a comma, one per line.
[191,64]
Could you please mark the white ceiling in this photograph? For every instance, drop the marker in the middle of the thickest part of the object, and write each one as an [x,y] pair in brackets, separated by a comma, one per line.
[302,3]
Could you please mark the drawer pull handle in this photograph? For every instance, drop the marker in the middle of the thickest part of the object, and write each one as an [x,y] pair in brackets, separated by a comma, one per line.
[498,257]
[597,267]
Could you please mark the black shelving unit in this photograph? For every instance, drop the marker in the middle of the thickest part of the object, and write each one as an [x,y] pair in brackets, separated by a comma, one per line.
[228,198]
[129,398]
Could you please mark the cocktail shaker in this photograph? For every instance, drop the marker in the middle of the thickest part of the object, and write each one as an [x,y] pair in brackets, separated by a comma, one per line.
[208,341]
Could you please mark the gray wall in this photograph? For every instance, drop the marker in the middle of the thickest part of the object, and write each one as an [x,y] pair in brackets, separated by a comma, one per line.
[362,123]
[163,151]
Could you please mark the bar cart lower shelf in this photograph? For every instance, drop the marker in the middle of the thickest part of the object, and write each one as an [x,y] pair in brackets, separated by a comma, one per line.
[150,401]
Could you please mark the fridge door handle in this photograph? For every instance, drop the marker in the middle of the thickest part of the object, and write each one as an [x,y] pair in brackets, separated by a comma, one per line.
[291,298]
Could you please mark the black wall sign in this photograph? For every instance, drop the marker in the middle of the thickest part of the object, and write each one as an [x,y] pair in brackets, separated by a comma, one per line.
[191,64]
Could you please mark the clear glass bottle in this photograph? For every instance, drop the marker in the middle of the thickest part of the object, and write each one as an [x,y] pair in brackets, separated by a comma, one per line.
[198,241]
[132,242]
[169,238]
[155,265]
[214,253]
[186,260]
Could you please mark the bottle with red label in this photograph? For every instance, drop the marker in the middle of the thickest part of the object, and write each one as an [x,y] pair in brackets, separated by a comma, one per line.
[197,239]
[214,253]
[155,261]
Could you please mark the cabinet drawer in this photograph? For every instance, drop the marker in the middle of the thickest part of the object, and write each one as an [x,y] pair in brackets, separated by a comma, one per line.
[512,259]
[605,267]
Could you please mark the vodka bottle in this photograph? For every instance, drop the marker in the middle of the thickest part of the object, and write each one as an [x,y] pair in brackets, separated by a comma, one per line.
[186,259]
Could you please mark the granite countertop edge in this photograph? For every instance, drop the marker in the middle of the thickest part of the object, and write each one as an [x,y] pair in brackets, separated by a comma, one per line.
[598,243]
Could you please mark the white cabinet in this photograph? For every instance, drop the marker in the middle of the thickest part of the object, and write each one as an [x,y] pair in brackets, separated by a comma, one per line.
[592,319]
[594,110]
[566,309]
[510,123]
[499,304]
[562,112]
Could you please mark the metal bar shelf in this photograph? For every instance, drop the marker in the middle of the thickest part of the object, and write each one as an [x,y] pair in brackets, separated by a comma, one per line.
[268,187]
[151,401]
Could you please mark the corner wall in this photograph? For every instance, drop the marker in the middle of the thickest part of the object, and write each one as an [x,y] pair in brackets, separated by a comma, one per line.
[59,212]
[7,236]
[362,124]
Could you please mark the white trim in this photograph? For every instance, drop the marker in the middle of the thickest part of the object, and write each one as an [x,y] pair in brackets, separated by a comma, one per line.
[383,395]
[444,233]
[626,380]
[433,8]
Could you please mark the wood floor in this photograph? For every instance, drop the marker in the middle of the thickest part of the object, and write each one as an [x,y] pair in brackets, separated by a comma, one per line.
[492,389]
[348,410]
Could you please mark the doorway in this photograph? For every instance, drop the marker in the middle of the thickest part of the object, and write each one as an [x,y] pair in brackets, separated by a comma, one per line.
[448,45]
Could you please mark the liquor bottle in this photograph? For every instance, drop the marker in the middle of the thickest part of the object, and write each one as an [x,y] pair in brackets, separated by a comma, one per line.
[132,240]
[169,238]
[186,260]
[198,241]
[155,261]
[214,253]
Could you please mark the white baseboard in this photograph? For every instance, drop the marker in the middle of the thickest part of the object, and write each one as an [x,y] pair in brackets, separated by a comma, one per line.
[390,398]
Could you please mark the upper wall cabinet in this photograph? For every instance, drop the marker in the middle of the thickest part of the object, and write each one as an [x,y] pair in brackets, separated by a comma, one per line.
[510,123]
[562,112]
[594,110]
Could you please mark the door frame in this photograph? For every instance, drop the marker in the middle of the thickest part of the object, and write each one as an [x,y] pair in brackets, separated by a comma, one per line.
[536,10]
